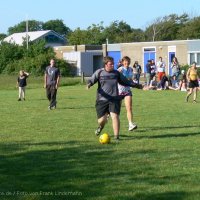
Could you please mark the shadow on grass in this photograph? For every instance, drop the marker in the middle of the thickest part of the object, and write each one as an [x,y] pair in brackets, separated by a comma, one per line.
[77,107]
[74,170]
[137,132]
[165,127]
[163,196]
[68,170]
[160,136]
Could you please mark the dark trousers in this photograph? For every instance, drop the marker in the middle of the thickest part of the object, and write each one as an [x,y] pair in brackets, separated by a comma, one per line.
[51,92]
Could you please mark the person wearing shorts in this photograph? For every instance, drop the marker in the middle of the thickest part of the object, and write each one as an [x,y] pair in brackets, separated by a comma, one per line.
[125,91]
[192,77]
[108,101]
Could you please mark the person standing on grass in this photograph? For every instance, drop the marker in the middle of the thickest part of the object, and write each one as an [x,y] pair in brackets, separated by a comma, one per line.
[21,84]
[192,77]
[137,70]
[175,67]
[160,66]
[148,72]
[108,101]
[125,91]
[51,83]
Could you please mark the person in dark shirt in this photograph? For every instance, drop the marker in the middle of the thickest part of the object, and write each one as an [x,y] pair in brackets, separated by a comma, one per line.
[21,84]
[148,72]
[163,84]
[108,101]
[51,82]
[137,70]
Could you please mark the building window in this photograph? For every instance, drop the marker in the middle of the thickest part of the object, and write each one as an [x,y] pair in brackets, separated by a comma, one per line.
[192,58]
[198,59]
[53,39]
[146,49]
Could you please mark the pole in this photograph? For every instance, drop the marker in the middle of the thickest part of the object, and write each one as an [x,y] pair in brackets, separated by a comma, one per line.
[27,38]
[82,77]
[106,46]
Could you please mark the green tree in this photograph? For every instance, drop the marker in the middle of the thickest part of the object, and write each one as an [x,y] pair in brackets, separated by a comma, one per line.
[165,28]
[2,36]
[122,32]
[95,34]
[191,30]
[117,32]
[34,60]
[78,37]
[9,53]
[33,25]
[57,26]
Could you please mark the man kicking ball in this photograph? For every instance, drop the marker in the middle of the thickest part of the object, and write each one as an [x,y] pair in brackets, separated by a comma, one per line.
[108,101]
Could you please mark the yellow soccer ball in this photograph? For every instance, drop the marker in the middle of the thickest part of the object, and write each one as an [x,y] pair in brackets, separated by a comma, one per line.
[104,138]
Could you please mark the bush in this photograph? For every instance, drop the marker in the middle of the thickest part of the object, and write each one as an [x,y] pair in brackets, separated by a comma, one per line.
[186,67]
[14,58]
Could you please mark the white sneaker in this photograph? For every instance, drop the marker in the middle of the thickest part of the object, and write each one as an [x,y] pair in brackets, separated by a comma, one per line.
[132,126]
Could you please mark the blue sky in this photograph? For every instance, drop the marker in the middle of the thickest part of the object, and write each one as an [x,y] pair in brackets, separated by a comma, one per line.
[83,13]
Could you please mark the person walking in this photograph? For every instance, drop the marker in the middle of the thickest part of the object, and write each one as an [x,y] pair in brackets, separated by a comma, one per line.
[108,101]
[192,77]
[51,83]
[125,91]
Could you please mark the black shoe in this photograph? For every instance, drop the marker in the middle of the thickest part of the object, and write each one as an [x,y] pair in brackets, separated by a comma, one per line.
[98,130]
[19,99]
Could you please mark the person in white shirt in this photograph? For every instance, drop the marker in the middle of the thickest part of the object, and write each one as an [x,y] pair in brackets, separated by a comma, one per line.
[160,65]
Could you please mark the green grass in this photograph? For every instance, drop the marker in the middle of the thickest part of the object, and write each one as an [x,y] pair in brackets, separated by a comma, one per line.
[46,152]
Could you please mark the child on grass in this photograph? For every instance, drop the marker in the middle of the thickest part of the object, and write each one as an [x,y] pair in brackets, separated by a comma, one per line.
[21,84]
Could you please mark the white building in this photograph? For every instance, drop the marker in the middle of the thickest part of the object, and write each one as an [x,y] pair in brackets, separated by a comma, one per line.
[84,62]
[51,37]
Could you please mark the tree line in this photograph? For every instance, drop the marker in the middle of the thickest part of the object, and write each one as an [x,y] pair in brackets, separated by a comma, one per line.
[166,28]
[36,58]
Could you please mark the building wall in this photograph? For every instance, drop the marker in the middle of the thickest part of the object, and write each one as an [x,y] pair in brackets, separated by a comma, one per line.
[87,62]
[136,51]
[181,49]
[60,50]
[74,58]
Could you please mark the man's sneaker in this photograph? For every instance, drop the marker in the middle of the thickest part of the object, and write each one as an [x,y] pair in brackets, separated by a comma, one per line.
[49,107]
[194,101]
[132,126]
[19,99]
[98,130]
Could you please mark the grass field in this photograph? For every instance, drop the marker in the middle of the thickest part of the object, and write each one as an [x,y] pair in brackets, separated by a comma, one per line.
[55,154]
